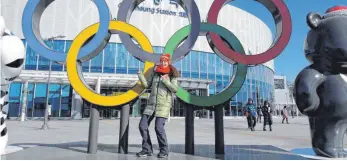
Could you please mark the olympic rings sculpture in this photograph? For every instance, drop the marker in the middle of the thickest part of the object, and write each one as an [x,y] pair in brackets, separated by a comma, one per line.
[83,49]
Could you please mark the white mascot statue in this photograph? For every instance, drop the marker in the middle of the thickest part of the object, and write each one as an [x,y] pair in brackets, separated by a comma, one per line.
[12,56]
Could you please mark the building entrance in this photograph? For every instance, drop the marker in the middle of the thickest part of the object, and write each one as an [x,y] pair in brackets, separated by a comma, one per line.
[114,112]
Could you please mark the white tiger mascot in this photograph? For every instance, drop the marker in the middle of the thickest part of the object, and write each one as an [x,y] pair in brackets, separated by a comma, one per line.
[12,56]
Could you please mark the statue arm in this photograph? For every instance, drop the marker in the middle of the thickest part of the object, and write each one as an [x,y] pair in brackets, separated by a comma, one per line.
[305,90]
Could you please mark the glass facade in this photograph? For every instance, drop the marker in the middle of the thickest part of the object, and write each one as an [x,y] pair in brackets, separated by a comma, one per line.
[115,59]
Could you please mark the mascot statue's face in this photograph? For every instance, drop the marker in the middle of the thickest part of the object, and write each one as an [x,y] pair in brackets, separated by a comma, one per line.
[327,38]
[12,53]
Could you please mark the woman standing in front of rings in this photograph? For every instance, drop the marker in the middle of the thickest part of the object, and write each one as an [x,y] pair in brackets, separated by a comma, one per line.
[163,83]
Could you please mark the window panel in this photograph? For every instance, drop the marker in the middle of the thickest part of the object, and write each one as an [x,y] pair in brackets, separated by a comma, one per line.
[30,59]
[96,63]
[133,64]
[54,99]
[40,100]
[186,67]
[194,62]
[218,63]
[186,74]
[212,89]
[211,66]
[121,59]
[178,65]
[43,63]
[109,58]
[58,45]
[219,86]
[65,105]
[14,99]
[203,62]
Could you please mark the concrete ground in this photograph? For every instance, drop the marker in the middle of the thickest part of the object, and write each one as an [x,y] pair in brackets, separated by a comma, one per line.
[284,137]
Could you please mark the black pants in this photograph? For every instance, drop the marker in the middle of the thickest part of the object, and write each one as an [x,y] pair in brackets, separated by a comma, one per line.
[159,130]
[251,120]
[285,118]
[259,118]
[264,127]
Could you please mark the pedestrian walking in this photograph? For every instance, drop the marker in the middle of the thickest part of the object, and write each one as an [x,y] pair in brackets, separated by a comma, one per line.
[248,118]
[260,113]
[267,114]
[284,114]
[252,114]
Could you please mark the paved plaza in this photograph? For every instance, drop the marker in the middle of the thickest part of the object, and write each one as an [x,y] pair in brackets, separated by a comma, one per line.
[67,139]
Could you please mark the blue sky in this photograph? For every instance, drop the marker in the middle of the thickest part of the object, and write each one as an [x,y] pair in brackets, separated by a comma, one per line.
[292,59]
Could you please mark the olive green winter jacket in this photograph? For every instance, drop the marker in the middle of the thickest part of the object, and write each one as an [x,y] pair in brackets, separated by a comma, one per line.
[161,94]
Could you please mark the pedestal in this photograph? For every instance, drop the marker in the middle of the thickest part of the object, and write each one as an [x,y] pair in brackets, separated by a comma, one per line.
[219,129]
[189,120]
[124,130]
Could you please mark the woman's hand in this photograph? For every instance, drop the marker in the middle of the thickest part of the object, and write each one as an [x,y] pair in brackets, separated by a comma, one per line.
[166,76]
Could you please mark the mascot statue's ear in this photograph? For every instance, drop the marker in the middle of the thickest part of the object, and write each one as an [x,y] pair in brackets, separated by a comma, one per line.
[313,20]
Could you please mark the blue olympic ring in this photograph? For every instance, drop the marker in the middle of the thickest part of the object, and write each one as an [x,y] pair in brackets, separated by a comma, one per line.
[31,30]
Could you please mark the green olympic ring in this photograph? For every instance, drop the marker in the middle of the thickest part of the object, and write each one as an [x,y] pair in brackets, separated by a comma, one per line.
[238,77]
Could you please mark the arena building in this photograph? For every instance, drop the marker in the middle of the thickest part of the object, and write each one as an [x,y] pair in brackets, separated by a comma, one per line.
[202,71]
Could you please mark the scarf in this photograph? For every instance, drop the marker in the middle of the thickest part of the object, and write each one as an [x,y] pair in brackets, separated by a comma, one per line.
[162,69]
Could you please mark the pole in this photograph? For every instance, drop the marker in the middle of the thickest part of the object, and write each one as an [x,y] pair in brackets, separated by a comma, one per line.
[24,102]
[94,125]
[189,142]
[230,104]
[45,125]
[219,129]
[124,130]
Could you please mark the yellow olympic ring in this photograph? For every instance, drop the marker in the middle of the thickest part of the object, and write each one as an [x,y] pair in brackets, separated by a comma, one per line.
[85,91]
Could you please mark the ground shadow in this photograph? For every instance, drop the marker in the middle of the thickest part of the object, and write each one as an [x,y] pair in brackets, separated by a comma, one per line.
[177,151]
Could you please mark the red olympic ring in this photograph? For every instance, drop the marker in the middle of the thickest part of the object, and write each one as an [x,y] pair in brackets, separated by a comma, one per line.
[283,22]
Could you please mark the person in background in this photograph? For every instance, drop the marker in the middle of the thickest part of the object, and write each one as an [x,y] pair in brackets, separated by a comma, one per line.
[49,110]
[259,114]
[292,111]
[278,112]
[248,117]
[266,109]
[285,114]
[252,114]
[163,83]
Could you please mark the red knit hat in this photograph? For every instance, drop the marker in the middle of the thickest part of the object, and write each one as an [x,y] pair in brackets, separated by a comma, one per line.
[166,57]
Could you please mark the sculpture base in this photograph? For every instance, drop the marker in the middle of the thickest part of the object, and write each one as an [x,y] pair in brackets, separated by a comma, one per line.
[310,154]
[11,149]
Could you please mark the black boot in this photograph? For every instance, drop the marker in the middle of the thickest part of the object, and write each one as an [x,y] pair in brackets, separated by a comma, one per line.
[270,128]
[162,155]
[143,154]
